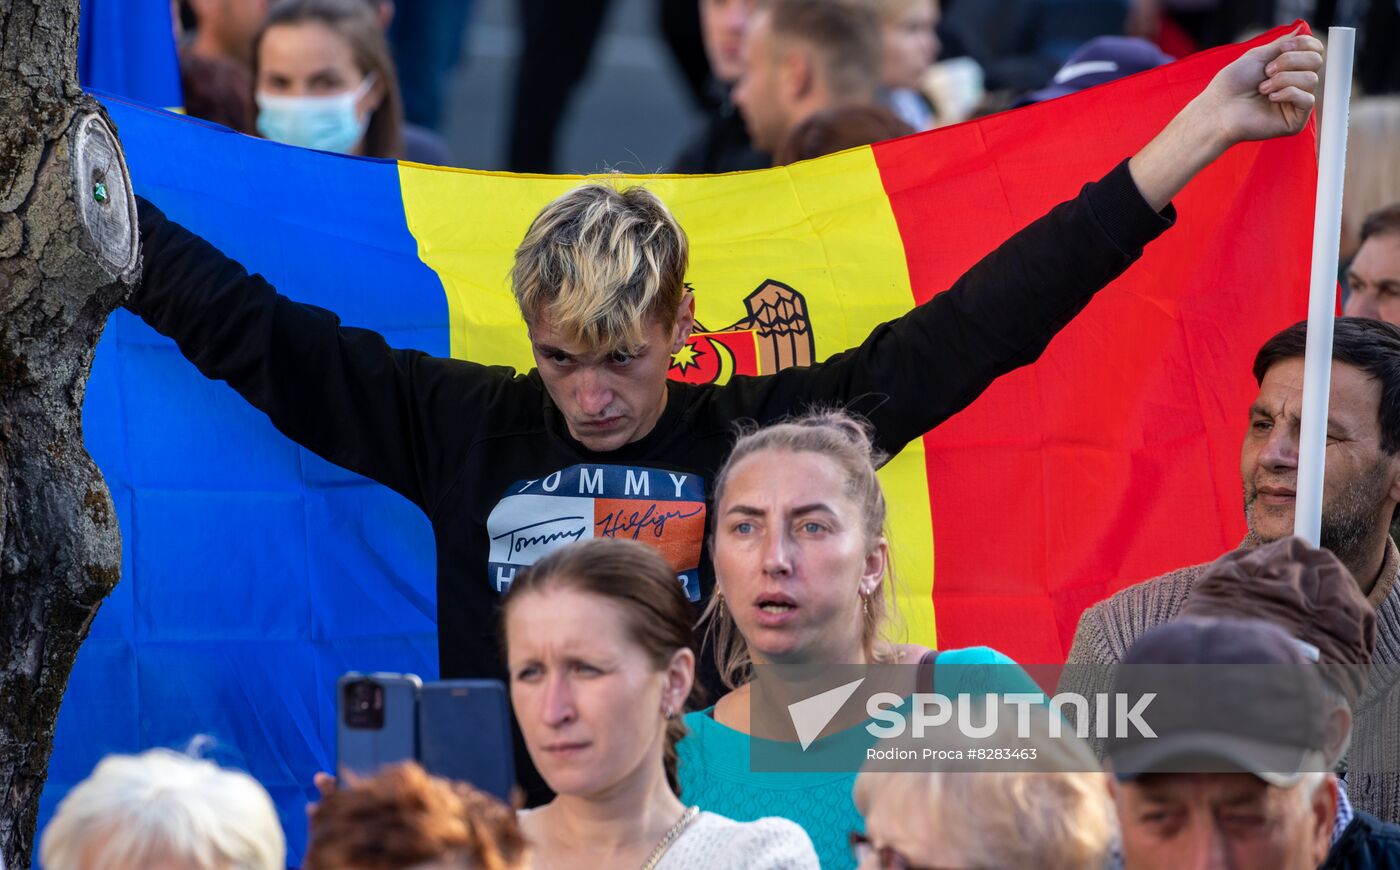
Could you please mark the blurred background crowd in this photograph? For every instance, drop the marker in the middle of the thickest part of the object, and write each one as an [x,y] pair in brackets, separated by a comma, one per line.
[584,85]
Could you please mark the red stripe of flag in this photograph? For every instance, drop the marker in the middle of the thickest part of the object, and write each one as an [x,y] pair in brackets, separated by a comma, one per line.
[1116,456]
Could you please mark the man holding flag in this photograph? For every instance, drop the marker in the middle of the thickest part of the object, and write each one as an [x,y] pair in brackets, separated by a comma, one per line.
[595,441]
[1362,491]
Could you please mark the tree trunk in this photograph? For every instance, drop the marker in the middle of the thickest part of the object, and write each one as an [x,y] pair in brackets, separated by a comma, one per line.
[68,254]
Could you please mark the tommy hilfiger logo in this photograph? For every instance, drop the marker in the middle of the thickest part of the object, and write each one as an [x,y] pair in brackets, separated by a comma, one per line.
[664,509]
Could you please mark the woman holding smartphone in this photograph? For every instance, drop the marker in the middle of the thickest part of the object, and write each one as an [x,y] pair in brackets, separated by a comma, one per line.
[801,569]
[601,656]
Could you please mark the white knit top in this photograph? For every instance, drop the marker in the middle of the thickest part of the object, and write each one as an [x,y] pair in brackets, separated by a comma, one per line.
[712,841]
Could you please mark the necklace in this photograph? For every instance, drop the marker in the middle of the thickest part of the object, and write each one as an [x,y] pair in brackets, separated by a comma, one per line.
[681,824]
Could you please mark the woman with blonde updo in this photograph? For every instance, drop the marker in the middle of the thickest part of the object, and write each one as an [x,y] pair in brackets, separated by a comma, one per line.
[802,578]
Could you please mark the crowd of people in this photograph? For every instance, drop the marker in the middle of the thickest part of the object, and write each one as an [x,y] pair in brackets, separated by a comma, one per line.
[634,704]
[600,646]
[898,66]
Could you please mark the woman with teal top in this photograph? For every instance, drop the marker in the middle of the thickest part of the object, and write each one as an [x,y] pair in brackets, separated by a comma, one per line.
[801,566]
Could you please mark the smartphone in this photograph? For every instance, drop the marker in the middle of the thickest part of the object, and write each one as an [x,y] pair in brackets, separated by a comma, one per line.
[376,721]
[464,734]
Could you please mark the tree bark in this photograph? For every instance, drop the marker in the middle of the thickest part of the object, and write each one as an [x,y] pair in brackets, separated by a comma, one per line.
[69,253]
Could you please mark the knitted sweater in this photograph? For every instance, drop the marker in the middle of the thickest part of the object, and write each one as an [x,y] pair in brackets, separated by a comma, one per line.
[766,844]
[1107,629]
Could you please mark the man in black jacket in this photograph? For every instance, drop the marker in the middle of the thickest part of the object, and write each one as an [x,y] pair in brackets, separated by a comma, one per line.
[1367,843]
[595,440]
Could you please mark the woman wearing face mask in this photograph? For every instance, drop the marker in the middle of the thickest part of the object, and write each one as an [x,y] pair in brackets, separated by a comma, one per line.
[801,563]
[324,79]
[601,660]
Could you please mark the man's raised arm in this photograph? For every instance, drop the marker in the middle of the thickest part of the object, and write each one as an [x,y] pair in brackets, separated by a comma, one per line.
[399,417]
[913,373]
[1267,92]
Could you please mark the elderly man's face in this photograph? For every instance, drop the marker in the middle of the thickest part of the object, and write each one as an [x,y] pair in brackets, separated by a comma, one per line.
[1373,279]
[1194,821]
[1359,484]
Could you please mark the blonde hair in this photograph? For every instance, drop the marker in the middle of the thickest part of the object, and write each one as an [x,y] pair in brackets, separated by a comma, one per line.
[598,263]
[1054,821]
[846,441]
[162,805]
[1055,812]
[1373,167]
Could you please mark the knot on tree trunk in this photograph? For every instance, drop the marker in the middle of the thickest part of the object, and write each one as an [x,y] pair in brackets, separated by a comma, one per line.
[69,254]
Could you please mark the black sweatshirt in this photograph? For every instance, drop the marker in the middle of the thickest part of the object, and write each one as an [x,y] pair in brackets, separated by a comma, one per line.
[486,454]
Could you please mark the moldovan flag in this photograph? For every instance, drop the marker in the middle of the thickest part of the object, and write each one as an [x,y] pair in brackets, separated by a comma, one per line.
[255,573]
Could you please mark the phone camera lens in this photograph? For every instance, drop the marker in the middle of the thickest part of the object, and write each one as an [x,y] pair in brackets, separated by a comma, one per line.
[364,705]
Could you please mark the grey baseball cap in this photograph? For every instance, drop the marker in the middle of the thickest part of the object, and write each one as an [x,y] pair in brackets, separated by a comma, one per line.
[1230,695]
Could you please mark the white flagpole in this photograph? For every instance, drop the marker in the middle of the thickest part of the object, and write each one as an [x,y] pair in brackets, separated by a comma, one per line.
[1322,300]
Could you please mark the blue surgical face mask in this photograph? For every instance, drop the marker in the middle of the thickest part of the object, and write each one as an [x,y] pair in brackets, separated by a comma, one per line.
[329,123]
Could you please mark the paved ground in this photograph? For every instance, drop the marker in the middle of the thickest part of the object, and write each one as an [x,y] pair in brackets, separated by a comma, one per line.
[631,113]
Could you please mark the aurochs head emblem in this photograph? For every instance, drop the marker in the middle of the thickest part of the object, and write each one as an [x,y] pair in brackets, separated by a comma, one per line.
[776,334]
